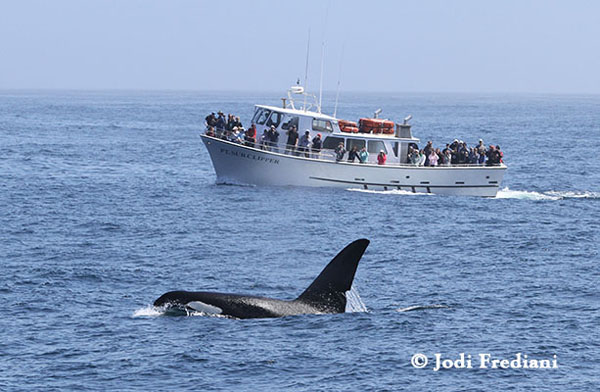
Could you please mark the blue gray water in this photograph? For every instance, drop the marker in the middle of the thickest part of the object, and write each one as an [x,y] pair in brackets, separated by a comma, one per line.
[108,200]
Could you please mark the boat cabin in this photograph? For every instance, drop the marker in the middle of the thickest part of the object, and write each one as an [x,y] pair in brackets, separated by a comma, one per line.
[394,145]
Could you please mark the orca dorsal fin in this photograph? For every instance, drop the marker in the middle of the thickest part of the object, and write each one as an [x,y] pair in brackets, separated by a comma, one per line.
[328,291]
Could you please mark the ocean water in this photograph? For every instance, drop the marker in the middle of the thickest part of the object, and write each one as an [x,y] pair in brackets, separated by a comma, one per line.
[108,200]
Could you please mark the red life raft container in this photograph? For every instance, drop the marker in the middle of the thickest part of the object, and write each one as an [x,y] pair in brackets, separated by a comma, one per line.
[375,125]
[347,126]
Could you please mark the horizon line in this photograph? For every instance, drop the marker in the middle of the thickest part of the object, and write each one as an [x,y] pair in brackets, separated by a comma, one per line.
[284,91]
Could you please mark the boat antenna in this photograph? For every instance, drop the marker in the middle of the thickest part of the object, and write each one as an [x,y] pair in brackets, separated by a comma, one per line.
[306,70]
[323,57]
[337,94]
[321,82]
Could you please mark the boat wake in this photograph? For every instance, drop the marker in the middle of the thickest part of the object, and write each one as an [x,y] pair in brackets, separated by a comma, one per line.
[505,193]
[422,307]
[550,195]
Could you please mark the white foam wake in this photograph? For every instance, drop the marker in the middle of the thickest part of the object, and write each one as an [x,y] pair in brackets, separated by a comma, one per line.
[549,195]
[505,193]
[524,195]
[575,195]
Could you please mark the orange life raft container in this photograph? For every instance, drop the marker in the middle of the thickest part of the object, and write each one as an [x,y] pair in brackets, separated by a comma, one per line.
[347,126]
[375,125]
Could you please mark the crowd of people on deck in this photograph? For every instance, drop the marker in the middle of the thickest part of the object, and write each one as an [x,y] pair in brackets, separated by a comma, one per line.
[456,153]
[356,155]
[230,128]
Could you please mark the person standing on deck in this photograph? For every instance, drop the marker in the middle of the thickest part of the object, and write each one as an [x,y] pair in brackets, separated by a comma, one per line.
[304,143]
[381,158]
[427,151]
[221,124]
[481,147]
[433,158]
[211,120]
[292,134]
[251,136]
[317,144]
[363,155]
[340,151]
[273,138]
[353,154]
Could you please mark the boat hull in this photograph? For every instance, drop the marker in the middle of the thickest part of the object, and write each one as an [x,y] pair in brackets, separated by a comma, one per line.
[238,164]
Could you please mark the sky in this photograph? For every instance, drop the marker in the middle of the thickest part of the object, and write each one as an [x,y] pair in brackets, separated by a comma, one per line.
[505,46]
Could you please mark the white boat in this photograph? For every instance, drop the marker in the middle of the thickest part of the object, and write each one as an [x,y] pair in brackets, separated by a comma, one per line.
[237,163]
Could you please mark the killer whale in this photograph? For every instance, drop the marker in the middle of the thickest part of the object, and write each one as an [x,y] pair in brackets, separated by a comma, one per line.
[326,294]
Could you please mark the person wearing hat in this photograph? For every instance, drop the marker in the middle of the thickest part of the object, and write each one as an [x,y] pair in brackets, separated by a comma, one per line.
[481,147]
[317,144]
[454,145]
[235,135]
[381,158]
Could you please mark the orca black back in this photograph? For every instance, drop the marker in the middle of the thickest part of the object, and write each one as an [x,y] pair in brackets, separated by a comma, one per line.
[326,294]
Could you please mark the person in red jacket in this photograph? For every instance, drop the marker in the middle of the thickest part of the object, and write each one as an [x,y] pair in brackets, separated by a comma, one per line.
[251,136]
[381,158]
[500,153]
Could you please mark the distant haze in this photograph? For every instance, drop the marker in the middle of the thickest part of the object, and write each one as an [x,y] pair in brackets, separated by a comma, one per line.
[411,46]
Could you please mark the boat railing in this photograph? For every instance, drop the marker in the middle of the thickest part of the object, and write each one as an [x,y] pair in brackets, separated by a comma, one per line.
[330,155]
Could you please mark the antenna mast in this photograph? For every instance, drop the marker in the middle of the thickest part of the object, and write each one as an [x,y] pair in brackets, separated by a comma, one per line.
[323,57]
[321,82]
[337,94]
[306,70]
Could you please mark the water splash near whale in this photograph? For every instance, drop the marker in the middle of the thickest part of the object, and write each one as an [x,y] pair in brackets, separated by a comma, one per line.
[422,307]
[354,304]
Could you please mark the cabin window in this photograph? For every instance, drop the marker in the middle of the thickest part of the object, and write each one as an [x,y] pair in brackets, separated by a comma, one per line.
[375,146]
[274,120]
[321,125]
[395,148]
[291,121]
[257,114]
[261,116]
[358,143]
[331,143]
